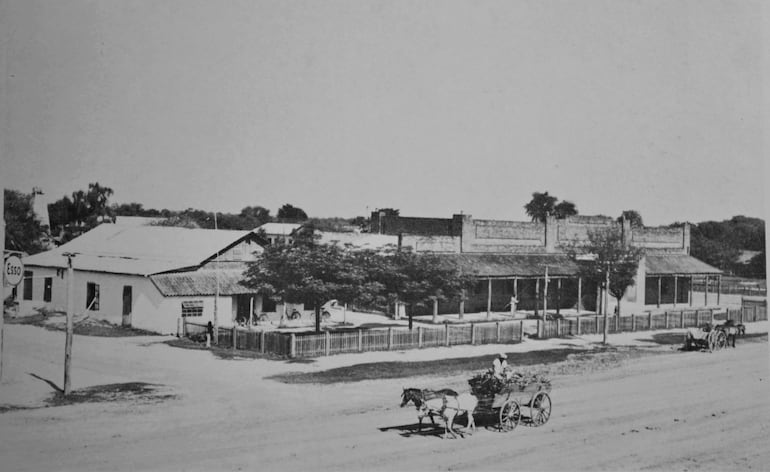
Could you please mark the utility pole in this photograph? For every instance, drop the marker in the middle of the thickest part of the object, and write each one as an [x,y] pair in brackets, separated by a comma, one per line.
[70,315]
[606,301]
[2,282]
[216,295]
[545,303]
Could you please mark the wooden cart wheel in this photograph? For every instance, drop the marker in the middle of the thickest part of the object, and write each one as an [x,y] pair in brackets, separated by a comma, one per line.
[510,415]
[326,315]
[295,315]
[540,409]
[720,341]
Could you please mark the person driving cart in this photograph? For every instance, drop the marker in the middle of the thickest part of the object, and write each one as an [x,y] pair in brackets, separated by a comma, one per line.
[500,366]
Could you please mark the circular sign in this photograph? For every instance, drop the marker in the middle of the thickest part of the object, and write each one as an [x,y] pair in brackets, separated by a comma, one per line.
[13,270]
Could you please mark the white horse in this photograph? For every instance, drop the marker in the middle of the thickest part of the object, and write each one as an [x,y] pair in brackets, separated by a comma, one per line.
[465,403]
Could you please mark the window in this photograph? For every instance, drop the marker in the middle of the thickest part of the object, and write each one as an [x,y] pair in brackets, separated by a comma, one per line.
[127,299]
[192,308]
[238,252]
[27,285]
[92,296]
[47,289]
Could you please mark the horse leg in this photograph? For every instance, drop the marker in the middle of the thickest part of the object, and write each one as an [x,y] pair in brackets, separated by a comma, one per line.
[471,422]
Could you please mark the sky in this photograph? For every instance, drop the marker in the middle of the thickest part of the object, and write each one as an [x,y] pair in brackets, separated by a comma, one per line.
[434,107]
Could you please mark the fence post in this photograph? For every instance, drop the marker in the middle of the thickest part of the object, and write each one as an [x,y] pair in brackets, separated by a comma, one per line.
[262,342]
[235,338]
[711,315]
[521,330]
[327,342]
[681,319]
[633,322]
[360,340]
[473,334]
[446,334]
[558,327]
[390,339]
[649,321]
[741,321]
[497,323]
[419,337]
[666,315]
[578,325]
[292,345]
[755,313]
[596,322]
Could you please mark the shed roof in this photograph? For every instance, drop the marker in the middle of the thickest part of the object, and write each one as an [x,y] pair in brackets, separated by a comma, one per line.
[200,283]
[283,229]
[677,264]
[514,265]
[139,250]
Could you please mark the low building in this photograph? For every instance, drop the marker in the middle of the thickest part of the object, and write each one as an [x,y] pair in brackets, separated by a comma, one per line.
[529,261]
[148,277]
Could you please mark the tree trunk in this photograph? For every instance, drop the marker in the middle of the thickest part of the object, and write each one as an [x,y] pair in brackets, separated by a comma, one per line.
[317,317]
[410,318]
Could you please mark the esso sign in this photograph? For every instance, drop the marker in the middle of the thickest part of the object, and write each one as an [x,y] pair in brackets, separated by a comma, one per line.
[13,270]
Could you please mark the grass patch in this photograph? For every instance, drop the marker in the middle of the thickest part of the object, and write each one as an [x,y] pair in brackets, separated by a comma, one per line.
[141,392]
[55,321]
[440,367]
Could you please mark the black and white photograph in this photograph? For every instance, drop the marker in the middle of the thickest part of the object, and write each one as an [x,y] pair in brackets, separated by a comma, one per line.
[384,235]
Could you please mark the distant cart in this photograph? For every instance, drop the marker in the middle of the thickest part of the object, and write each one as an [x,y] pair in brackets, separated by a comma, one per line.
[515,404]
[706,337]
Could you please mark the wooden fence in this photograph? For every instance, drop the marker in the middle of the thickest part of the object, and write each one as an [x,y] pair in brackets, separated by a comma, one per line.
[362,340]
[399,338]
[650,322]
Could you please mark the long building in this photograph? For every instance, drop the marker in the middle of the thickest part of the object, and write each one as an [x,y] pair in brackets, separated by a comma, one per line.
[510,259]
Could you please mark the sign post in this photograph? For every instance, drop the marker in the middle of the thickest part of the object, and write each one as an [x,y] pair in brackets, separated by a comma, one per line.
[13,272]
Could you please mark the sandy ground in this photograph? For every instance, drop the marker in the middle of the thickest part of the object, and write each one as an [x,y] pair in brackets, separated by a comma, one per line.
[679,411]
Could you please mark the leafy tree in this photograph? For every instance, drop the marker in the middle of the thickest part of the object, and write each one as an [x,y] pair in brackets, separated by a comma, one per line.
[632,216]
[254,216]
[291,213]
[715,252]
[540,206]
[22,230]
[543,205]
[757,266]
[418,278]
[306,272]
[564,209]
[611,258]
[86,210]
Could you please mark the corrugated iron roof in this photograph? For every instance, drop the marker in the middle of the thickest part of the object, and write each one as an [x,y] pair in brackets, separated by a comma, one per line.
[140,250]
[200,283]
[671,264]
[284,229]
[514,265]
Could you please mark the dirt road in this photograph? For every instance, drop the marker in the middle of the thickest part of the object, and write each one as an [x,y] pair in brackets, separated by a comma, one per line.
[675,411]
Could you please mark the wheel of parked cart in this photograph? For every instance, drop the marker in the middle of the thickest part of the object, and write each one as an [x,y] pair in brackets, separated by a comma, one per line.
[294,315]
[718,340]
[540,409]
[326,315]
[510,415]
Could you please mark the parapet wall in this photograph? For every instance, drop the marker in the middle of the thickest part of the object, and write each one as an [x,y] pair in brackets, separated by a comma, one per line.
[660,238]
[462,233]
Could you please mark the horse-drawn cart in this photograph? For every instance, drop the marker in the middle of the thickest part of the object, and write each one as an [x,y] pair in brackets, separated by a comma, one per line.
[514,400]
[706,337]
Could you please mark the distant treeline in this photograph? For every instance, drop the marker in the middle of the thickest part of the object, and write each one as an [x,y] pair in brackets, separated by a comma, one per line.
[721,243]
